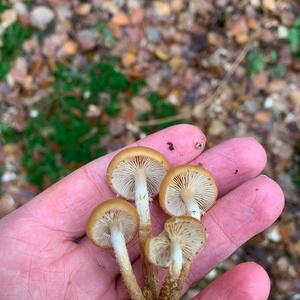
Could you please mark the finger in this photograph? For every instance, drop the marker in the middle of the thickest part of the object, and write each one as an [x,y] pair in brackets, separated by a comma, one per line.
[233,162]
[239,151]
[237,216]
[65,206]
[247,281]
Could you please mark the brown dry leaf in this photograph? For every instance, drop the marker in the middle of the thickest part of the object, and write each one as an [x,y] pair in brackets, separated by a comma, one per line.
[295,97]
[128,59]
[162,9]
[120,19]
[161,54]
[140,104]
[9,149]
[260,81]
[177,63]
[137,16]
[7,204]
[177,5]
[263,116]
[269,5]
[69,48]
[83,9]
[7,18]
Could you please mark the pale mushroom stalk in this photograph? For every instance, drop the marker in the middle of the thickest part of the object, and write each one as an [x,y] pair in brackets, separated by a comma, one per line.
[145,231]
[142,201]
[192,206]
[174,248]
[121,253]
[177,260]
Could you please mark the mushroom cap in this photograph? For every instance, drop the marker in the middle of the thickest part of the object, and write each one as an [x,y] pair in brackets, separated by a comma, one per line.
[194,178]
[122,168]
[114,212]
[186,230]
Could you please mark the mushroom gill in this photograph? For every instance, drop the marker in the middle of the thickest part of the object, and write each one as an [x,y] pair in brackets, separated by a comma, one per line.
[124,175]
[113,218]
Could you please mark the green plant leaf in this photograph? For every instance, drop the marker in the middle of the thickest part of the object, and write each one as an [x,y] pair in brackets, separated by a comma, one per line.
[274,55]
[294,39]
[296,23]
[256,62]
[278,71]
[3,6]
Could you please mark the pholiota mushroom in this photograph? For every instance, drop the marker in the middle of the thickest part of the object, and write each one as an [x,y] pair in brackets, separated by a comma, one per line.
[187,190]
[174,248]
[136,174]
[113,224]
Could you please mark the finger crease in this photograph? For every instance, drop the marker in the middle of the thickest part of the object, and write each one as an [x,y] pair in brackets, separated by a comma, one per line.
[228,236]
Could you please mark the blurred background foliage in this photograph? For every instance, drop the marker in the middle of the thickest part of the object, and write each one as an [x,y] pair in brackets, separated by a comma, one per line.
[80,79]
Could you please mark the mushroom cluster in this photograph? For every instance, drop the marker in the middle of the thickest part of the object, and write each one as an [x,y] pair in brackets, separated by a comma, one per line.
[185,193]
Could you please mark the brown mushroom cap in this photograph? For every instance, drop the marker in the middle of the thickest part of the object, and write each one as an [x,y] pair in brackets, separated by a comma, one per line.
[186,230]
[194,178]
[122,168]
[115,212]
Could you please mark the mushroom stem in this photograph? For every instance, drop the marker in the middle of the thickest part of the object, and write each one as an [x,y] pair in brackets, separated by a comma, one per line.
[177,260]
[172,287]
[142,198]
[119,246]
[145,232]
[191,205]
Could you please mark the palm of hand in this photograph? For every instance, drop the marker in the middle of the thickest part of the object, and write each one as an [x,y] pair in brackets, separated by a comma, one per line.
[45,255]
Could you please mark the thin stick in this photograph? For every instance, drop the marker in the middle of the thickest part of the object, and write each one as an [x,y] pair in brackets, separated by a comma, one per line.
[207,101]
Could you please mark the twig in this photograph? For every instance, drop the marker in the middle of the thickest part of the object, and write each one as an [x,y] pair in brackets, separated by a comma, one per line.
[181,116]
[207,101]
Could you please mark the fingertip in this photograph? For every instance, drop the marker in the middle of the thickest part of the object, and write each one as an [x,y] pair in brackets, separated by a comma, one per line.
[234,162]
[189,131]
[254,282]
[248,281]
[180,143]
[254,270]
[252,153]
[273,205]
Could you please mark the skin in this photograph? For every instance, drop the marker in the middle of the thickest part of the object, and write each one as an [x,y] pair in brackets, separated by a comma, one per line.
[45,255]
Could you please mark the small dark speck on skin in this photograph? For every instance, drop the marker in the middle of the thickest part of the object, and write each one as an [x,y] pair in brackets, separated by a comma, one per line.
[236,171]
[256,189]
[69,282]
[171,146]
[198,145]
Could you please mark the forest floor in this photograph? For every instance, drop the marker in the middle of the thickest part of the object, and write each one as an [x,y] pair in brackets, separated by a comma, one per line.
[79,79]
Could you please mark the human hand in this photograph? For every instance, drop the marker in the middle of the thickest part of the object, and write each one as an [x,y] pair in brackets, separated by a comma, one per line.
[45,255]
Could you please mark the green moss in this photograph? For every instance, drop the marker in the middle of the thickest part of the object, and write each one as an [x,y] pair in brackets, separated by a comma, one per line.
[159,109]
[256,63]
[294,37]
[3,6]
[12,40]
[61,138]
[296,166]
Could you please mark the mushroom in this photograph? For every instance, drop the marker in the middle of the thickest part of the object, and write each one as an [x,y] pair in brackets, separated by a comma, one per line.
[174,248]
[187,190]
[113,224]
[136,174]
